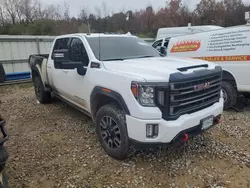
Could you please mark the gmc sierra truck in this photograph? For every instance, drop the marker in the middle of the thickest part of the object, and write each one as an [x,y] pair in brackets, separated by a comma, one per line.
[132,93]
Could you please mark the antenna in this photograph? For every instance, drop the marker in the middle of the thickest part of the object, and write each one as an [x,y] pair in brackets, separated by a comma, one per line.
[100,28]
[89,27]
[99,46]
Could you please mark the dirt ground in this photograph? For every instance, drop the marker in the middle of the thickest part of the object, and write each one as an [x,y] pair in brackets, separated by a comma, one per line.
[54,145]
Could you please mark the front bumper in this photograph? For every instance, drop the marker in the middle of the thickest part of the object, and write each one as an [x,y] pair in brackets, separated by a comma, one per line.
[171,130]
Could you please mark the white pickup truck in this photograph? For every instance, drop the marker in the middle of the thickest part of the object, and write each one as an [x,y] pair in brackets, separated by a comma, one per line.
[133,94]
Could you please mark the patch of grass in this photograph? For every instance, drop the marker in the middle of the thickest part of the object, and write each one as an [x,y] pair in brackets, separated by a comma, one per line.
[25,85]
[21,86]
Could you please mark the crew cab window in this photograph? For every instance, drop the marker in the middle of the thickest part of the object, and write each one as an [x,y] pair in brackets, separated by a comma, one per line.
[77,52]
[61,44]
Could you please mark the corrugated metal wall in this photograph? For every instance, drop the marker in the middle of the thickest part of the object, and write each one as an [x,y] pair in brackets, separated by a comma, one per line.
[15,50]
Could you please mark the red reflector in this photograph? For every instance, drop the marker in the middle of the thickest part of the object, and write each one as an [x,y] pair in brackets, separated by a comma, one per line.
[217,120]
[185,137]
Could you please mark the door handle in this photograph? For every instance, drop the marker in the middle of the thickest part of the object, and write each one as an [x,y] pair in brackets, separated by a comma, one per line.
[65,71]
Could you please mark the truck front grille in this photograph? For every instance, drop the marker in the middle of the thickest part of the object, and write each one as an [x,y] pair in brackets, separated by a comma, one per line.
[186,98]
[191,95]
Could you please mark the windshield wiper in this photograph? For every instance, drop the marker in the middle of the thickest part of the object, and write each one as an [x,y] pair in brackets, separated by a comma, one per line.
[114,59]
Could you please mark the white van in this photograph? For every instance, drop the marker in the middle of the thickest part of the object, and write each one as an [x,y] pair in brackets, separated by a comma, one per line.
[228,47]
[177,31]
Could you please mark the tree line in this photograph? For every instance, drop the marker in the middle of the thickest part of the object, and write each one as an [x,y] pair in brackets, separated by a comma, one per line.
[32,18]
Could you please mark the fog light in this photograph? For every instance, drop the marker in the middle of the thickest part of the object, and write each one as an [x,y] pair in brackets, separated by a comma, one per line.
[152,130]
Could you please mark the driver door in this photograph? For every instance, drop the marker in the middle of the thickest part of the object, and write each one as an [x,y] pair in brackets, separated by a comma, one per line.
[58,78]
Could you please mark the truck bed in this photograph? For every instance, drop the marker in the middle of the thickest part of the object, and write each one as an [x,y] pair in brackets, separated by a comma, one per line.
[38,66]
[36,58]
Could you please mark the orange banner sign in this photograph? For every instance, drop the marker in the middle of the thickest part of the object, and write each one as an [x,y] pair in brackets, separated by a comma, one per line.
[226,58]
[186,46]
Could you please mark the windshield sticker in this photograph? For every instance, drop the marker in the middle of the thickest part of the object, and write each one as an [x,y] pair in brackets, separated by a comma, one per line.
[186,46]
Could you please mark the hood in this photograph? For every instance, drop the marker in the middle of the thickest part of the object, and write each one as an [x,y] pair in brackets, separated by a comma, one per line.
[155,68]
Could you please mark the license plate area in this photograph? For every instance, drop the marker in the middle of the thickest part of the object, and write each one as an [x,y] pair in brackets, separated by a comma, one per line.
[206,123]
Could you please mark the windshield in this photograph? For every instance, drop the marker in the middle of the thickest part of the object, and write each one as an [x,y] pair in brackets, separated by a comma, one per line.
[120,48]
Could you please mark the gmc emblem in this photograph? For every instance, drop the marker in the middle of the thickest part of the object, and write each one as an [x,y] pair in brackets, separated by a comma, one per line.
[200,87]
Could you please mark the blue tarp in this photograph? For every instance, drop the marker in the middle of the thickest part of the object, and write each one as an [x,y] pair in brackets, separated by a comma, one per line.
[17,76]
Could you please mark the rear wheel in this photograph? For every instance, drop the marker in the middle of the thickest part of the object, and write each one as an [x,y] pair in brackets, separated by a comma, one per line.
[41,95]
[4,180]
[2,74]
[3,160]
[112,131]
[229,95]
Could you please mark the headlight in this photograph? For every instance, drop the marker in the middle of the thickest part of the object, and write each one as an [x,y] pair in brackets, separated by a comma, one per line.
[145,93]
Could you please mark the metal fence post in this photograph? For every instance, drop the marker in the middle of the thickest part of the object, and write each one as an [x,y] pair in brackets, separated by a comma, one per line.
[38,46]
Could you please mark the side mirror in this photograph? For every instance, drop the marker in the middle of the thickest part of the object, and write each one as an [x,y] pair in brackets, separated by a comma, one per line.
[163,51]
[62,61]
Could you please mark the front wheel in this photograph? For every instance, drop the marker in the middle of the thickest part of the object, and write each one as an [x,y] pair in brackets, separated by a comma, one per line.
[229,95]
[111,130]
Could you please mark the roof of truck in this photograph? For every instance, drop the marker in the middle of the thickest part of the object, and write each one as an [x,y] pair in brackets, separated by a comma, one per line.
[95,35]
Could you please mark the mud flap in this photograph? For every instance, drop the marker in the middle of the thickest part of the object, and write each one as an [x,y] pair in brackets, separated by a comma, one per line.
[240,104]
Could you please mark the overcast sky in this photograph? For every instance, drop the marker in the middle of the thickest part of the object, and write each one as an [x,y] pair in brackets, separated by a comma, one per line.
[115,5]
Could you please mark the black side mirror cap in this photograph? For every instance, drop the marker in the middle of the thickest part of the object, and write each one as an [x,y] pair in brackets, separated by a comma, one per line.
[82,71]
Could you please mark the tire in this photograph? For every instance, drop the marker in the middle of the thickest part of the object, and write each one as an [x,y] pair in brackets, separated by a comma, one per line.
[111,130]
[229,95]
[4,183]
[2,74]
[41,95]
[3,160]
[3,157]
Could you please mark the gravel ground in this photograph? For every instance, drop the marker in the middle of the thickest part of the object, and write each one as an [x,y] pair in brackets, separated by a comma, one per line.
[54,145]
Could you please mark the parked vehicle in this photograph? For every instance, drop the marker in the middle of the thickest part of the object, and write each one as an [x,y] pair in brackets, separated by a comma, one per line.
[132,93]
[3,156]
[169,32]
[2,74]
[228,47]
